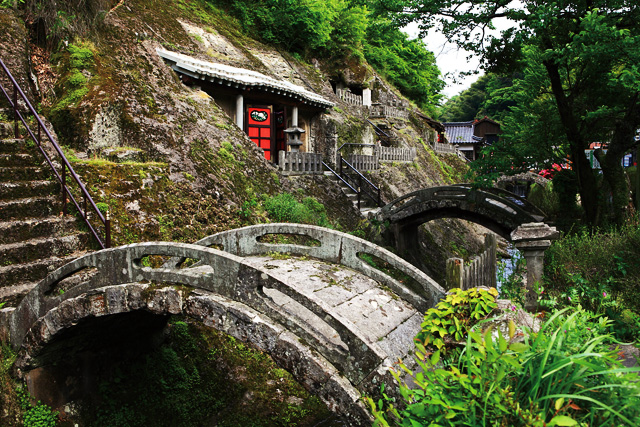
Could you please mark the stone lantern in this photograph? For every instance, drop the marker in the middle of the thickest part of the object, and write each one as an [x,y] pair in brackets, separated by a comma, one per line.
[294,142]
[532,240]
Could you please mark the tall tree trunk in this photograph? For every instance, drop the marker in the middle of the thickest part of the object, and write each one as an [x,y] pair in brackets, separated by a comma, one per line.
[587,184]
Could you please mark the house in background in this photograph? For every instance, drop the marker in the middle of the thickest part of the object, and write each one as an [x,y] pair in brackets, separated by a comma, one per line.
[471,136]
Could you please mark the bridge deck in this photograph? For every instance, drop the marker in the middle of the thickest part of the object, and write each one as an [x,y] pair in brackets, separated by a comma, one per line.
[374,309]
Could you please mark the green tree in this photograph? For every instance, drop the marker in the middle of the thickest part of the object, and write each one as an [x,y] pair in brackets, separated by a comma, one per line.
[483,98]
[589,54]
[405,62]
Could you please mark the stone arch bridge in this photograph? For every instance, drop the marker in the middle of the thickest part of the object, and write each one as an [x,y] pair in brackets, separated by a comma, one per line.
[501,211]
[321,311]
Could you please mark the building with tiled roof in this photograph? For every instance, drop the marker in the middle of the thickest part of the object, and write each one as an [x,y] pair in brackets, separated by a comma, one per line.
[472,135]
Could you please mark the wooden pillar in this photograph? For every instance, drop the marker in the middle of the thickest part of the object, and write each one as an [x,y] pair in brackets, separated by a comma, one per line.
[240,111]
[455,268]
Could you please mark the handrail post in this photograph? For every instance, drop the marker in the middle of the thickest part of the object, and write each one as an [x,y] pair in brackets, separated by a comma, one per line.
[107,231]
[359,189]
[15,112]
[64,186]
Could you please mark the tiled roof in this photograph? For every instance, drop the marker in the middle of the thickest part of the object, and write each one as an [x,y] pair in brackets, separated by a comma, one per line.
[239,77]
[460,133]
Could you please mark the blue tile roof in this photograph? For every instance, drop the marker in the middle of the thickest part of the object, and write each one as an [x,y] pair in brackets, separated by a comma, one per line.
[460,133]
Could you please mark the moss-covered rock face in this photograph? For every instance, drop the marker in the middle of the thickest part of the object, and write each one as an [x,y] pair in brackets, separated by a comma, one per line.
[14,53]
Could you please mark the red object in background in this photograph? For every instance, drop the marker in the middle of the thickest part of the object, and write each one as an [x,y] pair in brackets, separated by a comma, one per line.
[549,173]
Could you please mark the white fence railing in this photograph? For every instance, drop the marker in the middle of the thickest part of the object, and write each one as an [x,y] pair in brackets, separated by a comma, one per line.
[293,163]
[448,149]
[386,111]
[363,162]
[349,97]
[479,272]
[392,154]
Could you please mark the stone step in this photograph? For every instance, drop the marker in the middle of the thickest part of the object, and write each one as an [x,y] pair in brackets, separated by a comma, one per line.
[24,173]
[33,228]
[32,207]
[6,130]
[23,189]
[31,272]
[11,296]
[10,145]
[31,250]
[17,160]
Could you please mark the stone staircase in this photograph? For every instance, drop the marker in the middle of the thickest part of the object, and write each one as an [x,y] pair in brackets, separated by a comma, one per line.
[366,205]
[34,238]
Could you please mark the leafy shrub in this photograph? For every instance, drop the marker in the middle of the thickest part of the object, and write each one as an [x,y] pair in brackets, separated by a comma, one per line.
[454,316]
[40,415]
[565,375]
[284,207]
[598,271]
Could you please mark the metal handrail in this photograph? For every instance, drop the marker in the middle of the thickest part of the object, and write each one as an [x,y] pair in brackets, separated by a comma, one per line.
[66,166]
[378,130]
[362,189]
[339,177]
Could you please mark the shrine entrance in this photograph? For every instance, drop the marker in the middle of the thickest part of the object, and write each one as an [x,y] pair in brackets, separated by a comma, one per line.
[265,127]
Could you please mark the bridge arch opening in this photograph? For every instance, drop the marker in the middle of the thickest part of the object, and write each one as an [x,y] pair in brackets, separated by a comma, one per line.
[74,348]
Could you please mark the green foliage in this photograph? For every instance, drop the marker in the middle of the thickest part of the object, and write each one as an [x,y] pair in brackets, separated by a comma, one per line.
[5,4]
[319,26]
[40,415]
[579,85]
[449,322]
[564,375]
[405,62]
[74,85]
[35,415]
[483,98]
[284,207]
[598,271]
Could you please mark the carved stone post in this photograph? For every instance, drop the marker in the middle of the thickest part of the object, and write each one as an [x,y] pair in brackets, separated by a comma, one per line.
[532,240]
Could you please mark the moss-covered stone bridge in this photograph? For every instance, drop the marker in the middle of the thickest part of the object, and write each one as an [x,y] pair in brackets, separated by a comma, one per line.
[317,307]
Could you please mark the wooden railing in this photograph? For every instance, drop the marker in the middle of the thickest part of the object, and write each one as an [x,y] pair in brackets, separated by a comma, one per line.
[293,163]
[393,154]
[348,97]
[481,271]
[363,162]
[441,148]
[42,135]
[386,111]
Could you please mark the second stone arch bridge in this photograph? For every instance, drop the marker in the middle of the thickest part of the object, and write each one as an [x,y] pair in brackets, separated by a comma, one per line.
[322,312]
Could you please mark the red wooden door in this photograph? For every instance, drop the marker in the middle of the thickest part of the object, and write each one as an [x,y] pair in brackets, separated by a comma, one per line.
[259,129]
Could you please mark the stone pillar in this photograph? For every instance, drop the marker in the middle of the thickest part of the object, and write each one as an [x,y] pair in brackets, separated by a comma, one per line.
[366,97]
[240,111]
[294,116]
[532,240]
